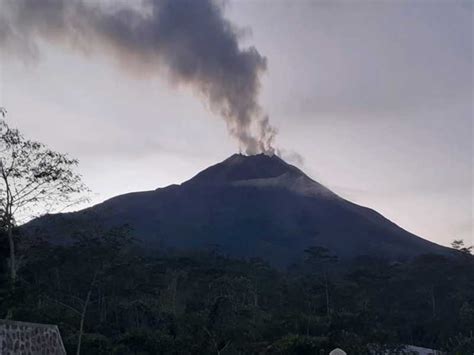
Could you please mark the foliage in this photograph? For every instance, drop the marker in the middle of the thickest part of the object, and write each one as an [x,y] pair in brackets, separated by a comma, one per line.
[33,178]
[203,302]
[300,344]
[458,245]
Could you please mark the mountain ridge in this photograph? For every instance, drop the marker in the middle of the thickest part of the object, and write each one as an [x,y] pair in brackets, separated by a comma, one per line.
[252,206]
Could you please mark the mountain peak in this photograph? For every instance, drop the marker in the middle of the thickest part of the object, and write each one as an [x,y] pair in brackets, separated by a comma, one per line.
[252,206]
[239,167]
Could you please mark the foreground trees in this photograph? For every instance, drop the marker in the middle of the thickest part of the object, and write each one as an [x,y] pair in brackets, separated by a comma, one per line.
[108,297]
[33,179]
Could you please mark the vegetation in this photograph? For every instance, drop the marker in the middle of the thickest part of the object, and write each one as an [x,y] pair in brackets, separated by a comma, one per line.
[32,178]
[103,291]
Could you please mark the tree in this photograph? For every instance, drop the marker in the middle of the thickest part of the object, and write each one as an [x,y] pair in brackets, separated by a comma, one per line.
[319,259]
[33,179]
[425,272]
[82,271]
[458,244]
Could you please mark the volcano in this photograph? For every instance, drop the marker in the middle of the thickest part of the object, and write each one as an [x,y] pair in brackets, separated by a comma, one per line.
[249,206]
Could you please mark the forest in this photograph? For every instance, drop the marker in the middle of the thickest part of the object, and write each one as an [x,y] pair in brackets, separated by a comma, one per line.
[109,296]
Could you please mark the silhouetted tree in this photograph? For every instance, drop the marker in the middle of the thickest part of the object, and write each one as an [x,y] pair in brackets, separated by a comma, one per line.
[319,259]
[458,244]
[33,179]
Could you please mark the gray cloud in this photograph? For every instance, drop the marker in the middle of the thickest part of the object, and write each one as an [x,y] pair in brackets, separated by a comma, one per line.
[189,41]
[357,57]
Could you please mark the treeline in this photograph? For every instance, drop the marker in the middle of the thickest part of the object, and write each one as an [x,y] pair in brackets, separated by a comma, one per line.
[110,297]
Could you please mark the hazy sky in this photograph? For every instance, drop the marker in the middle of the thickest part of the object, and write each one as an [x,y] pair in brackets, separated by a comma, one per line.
[376,96]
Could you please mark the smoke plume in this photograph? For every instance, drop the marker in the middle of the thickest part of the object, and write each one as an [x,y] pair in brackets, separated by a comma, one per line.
[189,41]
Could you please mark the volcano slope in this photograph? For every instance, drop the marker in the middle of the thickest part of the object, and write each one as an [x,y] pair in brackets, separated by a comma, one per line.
[247,206]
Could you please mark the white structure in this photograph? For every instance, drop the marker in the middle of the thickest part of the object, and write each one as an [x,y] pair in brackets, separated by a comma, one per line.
[408,350]
[18,338]
[338,351]
[411,349]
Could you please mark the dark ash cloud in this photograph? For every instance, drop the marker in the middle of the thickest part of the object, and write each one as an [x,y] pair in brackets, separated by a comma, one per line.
[189,41]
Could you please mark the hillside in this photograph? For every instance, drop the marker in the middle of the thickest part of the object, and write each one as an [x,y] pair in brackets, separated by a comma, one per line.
[248,206]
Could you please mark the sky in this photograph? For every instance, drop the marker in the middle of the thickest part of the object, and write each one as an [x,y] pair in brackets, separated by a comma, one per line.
[373,99]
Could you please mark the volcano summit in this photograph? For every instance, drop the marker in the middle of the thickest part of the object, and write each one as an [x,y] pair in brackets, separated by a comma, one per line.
[250,206]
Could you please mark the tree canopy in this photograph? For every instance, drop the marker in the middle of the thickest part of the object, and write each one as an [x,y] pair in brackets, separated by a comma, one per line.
[33,180]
